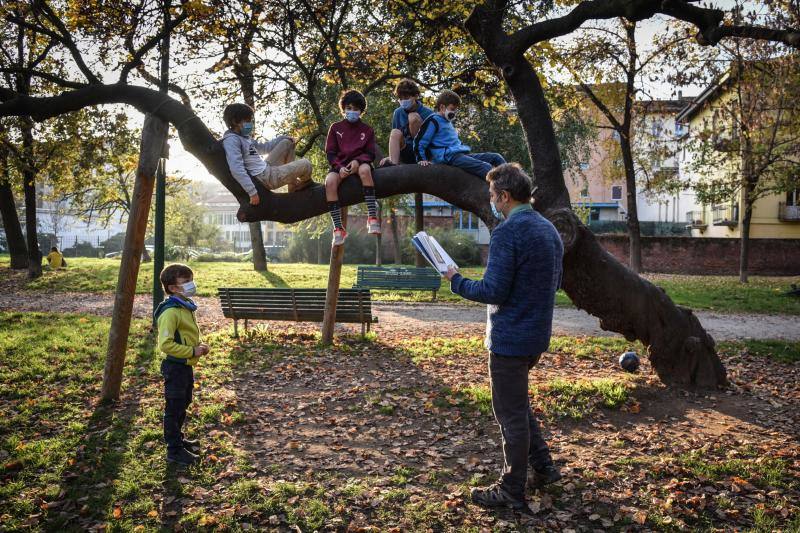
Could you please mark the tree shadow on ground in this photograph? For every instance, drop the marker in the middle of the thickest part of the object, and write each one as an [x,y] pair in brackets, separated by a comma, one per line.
[274,279]
[377,439]
[111,440]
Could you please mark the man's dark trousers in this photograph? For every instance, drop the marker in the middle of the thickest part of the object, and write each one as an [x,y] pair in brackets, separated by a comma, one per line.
[522,437]
[178,384]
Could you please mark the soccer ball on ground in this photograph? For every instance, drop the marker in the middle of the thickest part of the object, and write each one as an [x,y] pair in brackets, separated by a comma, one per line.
[629,362]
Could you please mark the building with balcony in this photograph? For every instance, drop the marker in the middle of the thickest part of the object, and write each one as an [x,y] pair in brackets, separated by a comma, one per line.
[775,216]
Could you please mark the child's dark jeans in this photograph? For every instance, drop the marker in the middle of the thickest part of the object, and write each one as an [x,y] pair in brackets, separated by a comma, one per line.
[178,384]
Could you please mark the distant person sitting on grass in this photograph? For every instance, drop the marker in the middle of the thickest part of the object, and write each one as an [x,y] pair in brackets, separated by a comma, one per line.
[55,259]
[179,340]
[245,161]
[351,148]
[437,141]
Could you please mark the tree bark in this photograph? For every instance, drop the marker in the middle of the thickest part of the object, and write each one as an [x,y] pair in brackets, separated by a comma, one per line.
[419,225]
[680,350]
[257,243]
[8,210]
[29,188]
[332,293]
[744,239]
[398,253]
[634,232]
[154,135]
[379,239]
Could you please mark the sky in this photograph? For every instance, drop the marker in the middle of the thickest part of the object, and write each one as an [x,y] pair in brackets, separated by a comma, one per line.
[186,164]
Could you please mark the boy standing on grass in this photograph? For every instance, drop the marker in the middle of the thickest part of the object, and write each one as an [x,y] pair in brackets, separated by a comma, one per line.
[245,161]
[179,339]
[438,142]
[351,149]
[406,122]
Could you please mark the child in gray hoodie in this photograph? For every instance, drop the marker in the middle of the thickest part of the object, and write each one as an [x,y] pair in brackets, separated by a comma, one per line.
[245,161]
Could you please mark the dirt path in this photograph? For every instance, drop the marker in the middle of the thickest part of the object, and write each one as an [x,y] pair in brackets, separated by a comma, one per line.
[417,319]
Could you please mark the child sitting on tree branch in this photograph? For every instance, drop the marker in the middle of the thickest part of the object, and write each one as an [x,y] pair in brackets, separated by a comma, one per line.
[351,149]
[437,141]
[245,161]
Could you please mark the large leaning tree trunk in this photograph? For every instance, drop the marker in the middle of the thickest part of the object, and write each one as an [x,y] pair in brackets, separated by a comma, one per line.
[10,217]
[680,350]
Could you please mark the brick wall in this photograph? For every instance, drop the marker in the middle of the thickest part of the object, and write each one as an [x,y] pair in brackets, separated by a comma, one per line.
[698,255]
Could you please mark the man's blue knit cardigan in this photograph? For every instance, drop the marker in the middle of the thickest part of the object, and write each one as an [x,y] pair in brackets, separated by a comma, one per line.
[522,276]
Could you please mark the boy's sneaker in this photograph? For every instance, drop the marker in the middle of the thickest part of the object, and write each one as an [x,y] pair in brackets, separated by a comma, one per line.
[495,496]
[544,476]
[191,444]
[339,235]
[182,457]
[373,226]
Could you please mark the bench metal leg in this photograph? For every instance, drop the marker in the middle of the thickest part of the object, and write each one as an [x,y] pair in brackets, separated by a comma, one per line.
[433,299]
[363,329]
[235,328]
[245,325]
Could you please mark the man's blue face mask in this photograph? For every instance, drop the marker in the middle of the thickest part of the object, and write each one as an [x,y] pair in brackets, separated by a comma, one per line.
[406,104]
[247,129]
[496,212]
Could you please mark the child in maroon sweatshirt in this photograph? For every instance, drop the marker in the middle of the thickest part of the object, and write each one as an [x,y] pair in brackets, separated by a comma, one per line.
[350,148]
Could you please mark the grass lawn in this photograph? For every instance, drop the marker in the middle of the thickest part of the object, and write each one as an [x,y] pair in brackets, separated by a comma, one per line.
[716,293]
[363,433]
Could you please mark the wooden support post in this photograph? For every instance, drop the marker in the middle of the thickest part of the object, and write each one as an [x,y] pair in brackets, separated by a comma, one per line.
[154,135]
[332,294]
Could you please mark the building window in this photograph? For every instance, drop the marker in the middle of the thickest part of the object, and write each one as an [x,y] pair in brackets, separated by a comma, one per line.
[616,192]
[584,165]
[658,127]
[793,197]
[585,191]
[615,135]
[594,214]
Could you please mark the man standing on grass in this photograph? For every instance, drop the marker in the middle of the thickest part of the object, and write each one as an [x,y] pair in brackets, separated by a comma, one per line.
[522,276]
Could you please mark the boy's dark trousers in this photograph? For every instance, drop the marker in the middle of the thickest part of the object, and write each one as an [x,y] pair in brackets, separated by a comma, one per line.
[178,384]
[523,444]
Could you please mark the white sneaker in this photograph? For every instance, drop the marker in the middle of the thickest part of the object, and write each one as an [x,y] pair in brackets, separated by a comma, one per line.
[339,235]
[373,226]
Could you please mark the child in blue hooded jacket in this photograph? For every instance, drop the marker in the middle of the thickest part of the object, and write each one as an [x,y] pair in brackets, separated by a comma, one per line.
[437,141]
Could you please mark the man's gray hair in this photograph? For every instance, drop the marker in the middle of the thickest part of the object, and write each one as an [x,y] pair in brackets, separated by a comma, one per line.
[510,177]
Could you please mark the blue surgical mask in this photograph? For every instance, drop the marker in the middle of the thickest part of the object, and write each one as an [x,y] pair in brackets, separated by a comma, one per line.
[352,116]
[189,289]
[496,212]
[407,104]
[247,129]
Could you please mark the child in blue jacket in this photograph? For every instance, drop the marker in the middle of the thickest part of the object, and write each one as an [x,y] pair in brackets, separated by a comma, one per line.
[437,141]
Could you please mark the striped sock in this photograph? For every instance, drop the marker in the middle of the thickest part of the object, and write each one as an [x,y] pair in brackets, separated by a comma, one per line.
[372,203]
[336,214]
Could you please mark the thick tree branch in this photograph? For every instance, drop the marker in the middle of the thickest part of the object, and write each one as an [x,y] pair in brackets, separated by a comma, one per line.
[708,21]
[151,43]
[448,183]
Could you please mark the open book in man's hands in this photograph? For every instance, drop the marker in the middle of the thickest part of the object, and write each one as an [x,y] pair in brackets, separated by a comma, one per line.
[433,252]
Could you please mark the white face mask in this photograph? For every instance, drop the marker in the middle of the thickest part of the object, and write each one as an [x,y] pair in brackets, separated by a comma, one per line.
[450,115]
[189,289]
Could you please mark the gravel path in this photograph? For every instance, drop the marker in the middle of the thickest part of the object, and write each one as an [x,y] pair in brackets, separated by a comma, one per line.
[433,319]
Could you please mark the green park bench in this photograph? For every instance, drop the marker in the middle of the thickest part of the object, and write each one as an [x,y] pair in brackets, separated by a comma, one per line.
[298,305]
[398,278]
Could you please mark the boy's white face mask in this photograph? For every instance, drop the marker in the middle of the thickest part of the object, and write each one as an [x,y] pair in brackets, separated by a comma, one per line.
[189,289]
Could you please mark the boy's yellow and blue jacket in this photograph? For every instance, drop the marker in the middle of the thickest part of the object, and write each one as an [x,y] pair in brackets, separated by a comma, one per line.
[178,333]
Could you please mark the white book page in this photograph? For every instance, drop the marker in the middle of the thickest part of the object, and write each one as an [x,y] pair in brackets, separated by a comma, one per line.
[446,259]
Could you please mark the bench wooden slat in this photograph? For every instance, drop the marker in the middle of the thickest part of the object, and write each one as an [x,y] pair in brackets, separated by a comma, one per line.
[299,305]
